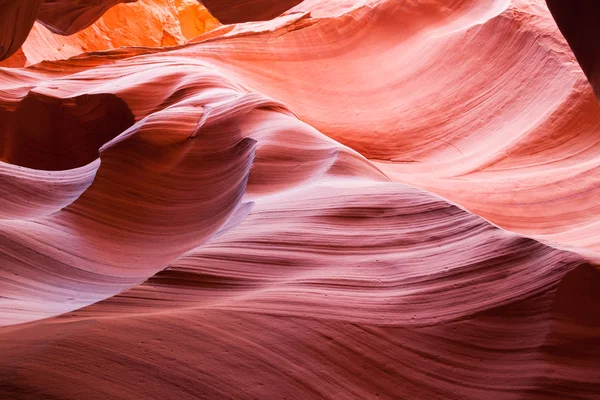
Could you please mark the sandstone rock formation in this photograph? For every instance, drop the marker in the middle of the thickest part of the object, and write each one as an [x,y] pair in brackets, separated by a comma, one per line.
[366,199]
[152,23]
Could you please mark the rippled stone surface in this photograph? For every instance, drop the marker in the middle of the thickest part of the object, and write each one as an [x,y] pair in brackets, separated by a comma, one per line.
[350,200]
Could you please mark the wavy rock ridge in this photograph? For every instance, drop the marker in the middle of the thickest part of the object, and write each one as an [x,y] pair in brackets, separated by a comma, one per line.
[372,199]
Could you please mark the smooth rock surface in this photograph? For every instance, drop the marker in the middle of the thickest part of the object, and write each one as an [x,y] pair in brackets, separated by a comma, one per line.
[354,200]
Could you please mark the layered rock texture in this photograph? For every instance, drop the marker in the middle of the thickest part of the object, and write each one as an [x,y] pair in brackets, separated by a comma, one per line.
[372,199]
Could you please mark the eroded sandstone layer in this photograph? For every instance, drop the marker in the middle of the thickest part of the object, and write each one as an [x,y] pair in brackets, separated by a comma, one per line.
[372,199]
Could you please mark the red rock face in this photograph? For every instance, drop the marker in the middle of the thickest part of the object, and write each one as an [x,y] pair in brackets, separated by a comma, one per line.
[352,200]
[239,11]
[152,23]
[68,17]
[63,17]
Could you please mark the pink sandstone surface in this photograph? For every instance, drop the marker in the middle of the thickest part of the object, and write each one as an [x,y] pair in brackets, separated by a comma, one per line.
[371,199]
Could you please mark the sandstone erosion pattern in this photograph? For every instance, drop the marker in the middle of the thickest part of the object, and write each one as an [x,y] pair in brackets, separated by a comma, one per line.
[372,199]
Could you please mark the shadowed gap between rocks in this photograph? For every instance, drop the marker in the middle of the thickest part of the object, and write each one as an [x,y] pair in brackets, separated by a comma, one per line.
[52,134]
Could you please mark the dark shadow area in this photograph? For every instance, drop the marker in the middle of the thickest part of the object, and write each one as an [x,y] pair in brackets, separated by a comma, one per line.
[52,134]
[572,344]
[578,298]
[578,21]
[239,11]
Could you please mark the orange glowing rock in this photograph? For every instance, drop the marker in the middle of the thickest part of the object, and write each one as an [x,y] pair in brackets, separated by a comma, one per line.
[152,23]
[194,19]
